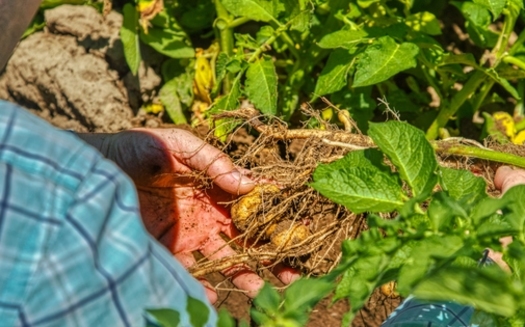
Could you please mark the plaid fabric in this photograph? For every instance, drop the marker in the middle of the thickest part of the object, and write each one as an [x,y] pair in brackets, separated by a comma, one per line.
[73,250]
[416,313]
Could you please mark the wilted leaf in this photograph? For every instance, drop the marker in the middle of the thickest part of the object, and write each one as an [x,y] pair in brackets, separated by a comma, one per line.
[383,59]
[148,9]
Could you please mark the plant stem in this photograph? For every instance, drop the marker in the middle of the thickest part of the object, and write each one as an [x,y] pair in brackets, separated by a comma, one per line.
[514,61]
[237,22]
[484,91]
[445,113]
[222,23]
[480,153]
[503,40]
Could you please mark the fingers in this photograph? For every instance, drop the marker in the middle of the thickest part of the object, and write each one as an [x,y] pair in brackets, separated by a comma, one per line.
[187,260]
[507,177]
[241,275]
[203,157]
[286,274]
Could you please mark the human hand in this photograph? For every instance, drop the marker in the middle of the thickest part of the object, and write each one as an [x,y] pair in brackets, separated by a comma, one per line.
[169,168]
[505,178]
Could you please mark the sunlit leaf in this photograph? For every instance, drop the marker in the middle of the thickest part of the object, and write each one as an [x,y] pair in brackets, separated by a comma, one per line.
[383,59]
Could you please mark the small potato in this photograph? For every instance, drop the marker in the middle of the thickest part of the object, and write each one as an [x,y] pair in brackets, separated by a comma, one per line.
[389,289]
[250,204]
[287,234]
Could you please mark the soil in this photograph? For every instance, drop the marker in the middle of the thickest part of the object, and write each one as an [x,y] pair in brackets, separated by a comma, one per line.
[73,74]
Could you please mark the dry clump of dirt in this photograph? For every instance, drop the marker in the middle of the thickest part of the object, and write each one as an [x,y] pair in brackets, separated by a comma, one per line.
[74,75]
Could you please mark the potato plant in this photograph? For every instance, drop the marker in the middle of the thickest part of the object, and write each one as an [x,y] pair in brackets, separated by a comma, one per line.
[444,221]
[278,54]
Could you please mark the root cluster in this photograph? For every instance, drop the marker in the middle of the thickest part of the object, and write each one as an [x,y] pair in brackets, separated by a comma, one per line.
[288,158]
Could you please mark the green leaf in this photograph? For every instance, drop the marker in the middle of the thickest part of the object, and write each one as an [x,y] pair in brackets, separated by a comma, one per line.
[130,37]
[489,289]
[268,299]
[165,317]
[198,311]
[359,102]
[463,58]
[503,82]
[463,185]
[424,22]
[383,59]
[167,37]
[259,318]
[230,101]
[442,210]
[225,319]
[302,295]
[258,10]
[343,39]
[409,151]
[514,197]
[170,99]
[261,85]
[37,24]
[370,158]
[334,74]
[220,69]
[359,188]
[299,14]
[494,6]
[478,19]
[177,92]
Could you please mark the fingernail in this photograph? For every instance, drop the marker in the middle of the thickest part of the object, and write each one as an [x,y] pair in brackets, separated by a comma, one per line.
[242,179]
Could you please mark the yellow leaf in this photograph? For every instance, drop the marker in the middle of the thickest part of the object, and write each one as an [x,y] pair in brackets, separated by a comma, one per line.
[519,138]
[153,108]
[327,114]
[505,123]
[148,9]
[203,81]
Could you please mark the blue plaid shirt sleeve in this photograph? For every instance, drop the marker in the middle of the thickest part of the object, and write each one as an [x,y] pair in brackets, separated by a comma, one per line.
[73,250]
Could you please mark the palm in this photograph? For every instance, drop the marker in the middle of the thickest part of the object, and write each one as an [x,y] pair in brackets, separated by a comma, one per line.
[168,168]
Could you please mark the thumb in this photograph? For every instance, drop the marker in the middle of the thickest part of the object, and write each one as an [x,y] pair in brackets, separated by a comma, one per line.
[506,177]
[201,156]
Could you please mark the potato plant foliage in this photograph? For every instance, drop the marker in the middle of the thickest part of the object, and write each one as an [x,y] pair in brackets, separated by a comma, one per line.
[280,53]
[444,220]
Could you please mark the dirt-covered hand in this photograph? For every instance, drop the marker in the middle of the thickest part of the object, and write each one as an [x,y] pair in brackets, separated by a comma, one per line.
[180,181]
